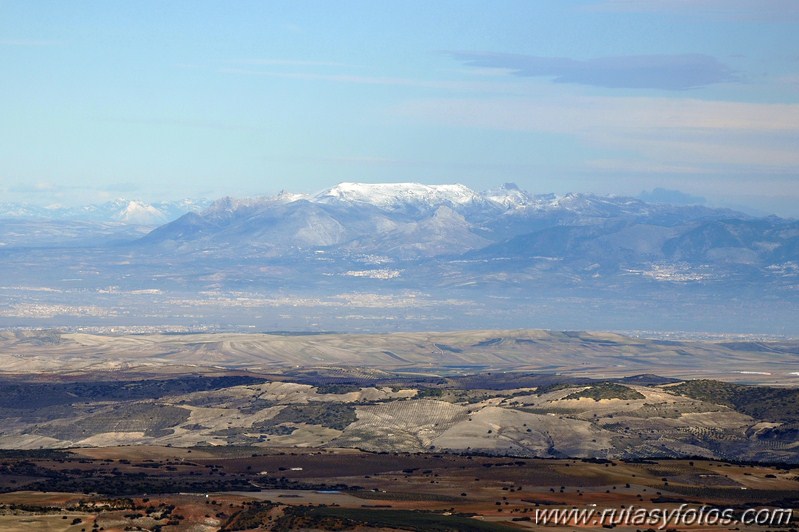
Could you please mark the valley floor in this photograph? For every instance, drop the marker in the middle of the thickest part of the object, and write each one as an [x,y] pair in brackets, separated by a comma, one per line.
[224,488]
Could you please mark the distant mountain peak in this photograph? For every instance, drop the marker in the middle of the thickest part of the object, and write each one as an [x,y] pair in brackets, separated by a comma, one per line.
[509,196]
[285,196]
[119,210]
[137,212]
[227,206]
[398,195]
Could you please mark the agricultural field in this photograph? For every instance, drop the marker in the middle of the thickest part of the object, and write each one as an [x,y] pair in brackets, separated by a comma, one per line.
[237,488]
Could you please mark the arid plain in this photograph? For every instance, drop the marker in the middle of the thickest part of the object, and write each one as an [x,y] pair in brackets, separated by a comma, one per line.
[469,430]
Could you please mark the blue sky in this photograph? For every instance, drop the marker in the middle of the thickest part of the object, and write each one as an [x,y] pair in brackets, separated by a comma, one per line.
[170,99]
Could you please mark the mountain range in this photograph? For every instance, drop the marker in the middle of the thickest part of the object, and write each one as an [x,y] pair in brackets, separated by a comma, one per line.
[449,248]
[412,221]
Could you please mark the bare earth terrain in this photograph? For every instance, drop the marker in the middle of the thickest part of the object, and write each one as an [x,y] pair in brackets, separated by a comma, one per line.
[589,354]
[289,489]
[473,430]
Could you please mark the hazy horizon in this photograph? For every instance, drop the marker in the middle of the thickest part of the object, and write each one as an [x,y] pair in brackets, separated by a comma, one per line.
[159,101]
[657,195]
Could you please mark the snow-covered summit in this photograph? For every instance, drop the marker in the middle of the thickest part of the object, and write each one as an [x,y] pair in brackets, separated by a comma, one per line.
[137,212]
[284,196]
[509,196]
[593,205]
[417,197]
[398,195]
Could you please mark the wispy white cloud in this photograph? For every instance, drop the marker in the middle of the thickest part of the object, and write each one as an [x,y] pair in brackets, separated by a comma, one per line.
[58,192]
[364,160]
[789,81]
[388,81]
[121,187]
[716,153]
[677,133]
[666,72]
[588,113]
[183,122]
[340,78]
[293,63]
[30,43]
[774,10]
[40,186]
[639,166]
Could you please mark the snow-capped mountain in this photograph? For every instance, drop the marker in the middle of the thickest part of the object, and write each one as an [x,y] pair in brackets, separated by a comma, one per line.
[133,212]
[136,212]
[399,196]
[509,196]
[385,247]
[410,220]
[508,199]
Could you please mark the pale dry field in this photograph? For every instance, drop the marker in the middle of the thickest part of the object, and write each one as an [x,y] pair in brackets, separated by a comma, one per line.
[591,354]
